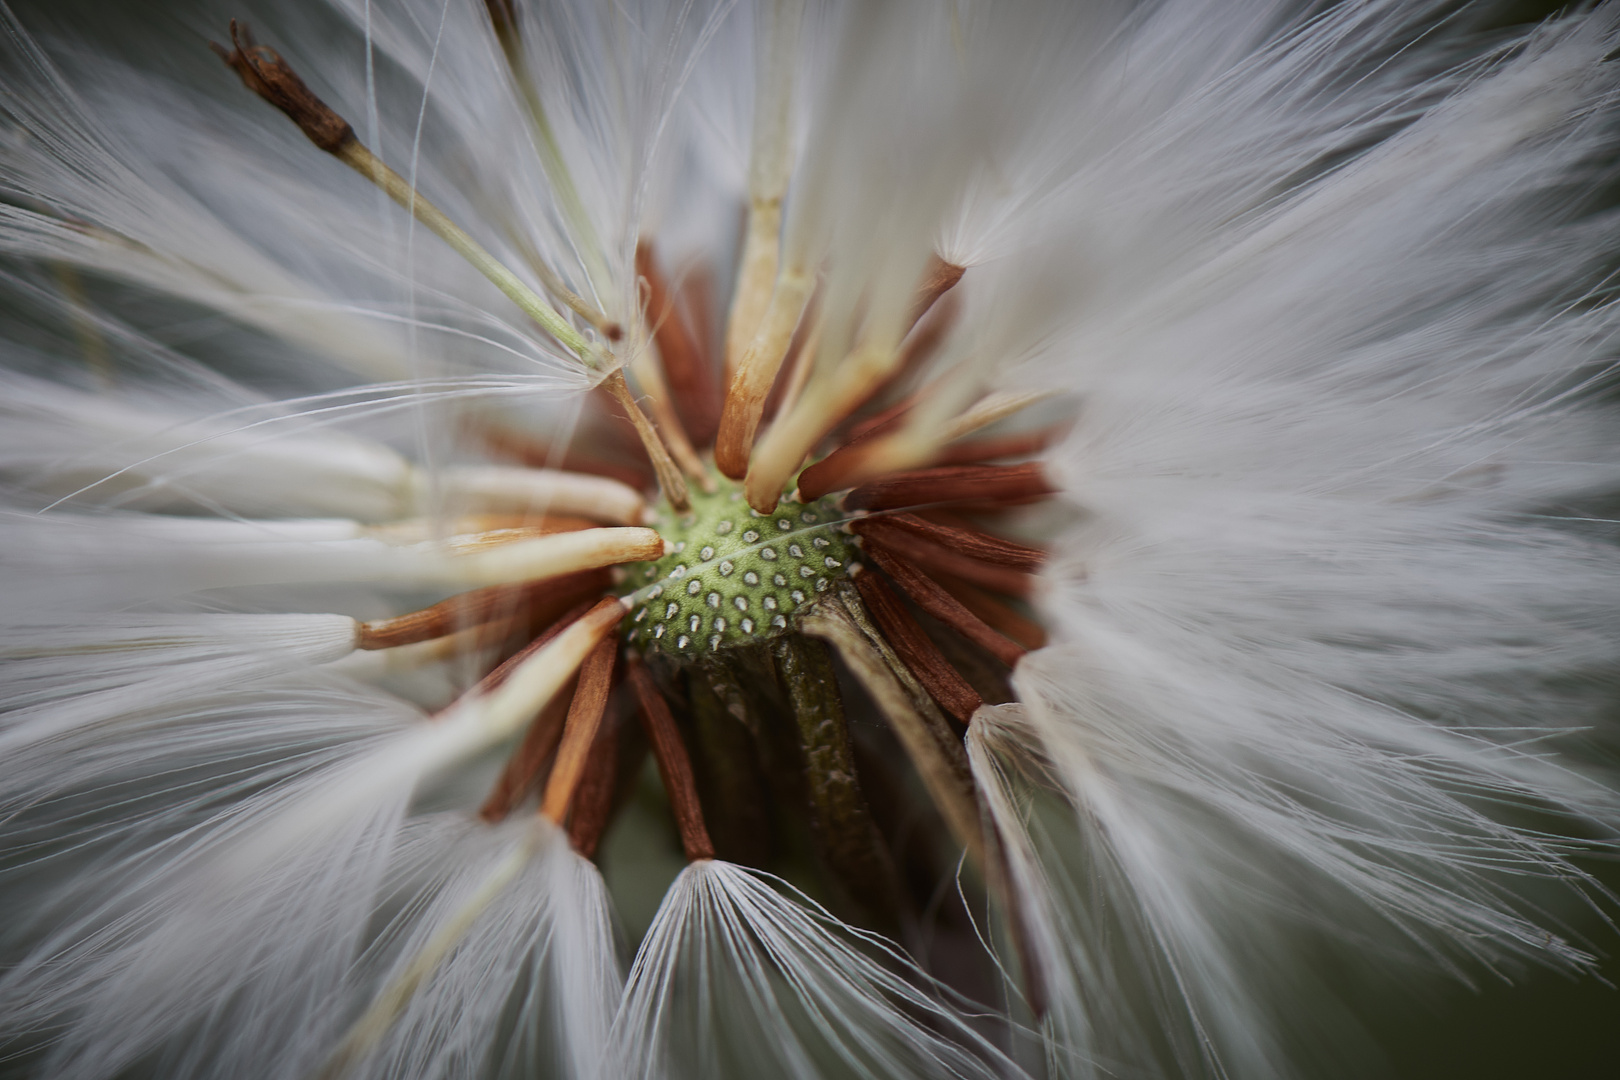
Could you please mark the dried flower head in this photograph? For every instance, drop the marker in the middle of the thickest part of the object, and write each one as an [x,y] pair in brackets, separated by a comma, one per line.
[1015,523]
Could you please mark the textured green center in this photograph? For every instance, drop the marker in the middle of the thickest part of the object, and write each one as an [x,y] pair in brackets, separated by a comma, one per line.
[736,576]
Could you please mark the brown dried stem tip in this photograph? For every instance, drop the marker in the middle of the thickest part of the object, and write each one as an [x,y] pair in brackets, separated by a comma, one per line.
[265,73]
[674,766]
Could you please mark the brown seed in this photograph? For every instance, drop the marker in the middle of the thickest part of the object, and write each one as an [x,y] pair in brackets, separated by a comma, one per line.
[1026,632]
[542,601]
[593,802]
[939,560]
[969,543]
[263,71]
[579,731]
[691,381]
[835,470]
[920,655]
[670,480]
[988,484]
[975,451]
[941,605]
[673,764]
[942,278]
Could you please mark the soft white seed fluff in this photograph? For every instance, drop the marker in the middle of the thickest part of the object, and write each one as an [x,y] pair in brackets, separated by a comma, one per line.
[65,677]
[140,908]
[1331,602]
[734,978]
[528,987]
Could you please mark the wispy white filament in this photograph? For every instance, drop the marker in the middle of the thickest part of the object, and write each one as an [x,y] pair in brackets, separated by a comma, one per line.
[734,979]
[529,983]
[1331,596]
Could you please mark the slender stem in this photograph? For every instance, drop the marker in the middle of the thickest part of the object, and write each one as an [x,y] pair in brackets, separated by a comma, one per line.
[674,766]
[503,18]
[756,372]
[842,824]
[769,168]
[584,720]
[937,754]
[661,404]
[558,288]
[264,72]
[355,155]
[670,480]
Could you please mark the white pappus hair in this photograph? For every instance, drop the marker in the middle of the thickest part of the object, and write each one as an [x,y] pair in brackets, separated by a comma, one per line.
[1319,297]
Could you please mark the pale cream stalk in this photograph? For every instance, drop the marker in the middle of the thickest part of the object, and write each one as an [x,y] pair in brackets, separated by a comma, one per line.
[745,397]
[495,488]
[670,480]
[476,564]
[650,379]
[827,399]
[770,166]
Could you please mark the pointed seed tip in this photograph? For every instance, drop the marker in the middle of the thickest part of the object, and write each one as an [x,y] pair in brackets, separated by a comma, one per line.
[263,71]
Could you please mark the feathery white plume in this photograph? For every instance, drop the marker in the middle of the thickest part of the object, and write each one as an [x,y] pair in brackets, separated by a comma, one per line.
[529,977]
[1316,298]
[735,978]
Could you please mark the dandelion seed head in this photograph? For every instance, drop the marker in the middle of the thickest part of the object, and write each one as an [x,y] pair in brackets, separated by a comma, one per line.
[1146,451]
[733,571]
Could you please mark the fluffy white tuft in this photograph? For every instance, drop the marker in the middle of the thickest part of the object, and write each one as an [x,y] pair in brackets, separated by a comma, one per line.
[734,978]
[1331,604]
[528,988]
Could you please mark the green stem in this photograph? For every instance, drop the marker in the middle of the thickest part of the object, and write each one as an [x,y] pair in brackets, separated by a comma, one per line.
[939,757]
[845,833]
